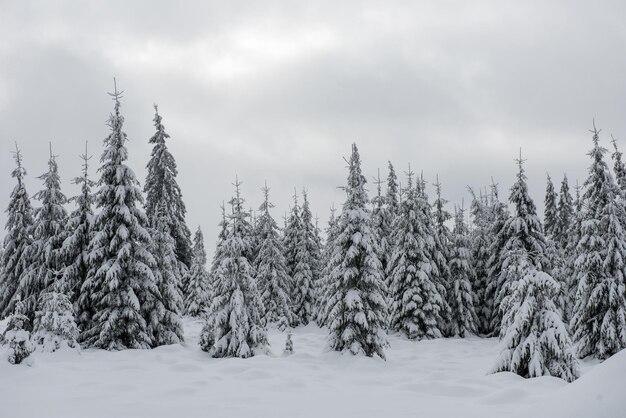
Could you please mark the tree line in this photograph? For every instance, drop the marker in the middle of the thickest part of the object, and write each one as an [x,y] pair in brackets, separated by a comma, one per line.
[119,271]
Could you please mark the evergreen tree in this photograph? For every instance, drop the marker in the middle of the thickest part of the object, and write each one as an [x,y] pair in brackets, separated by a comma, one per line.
[460,297]
[164,323]
[599,318]
[571,255]
[441,255]
[271,267]
[291,237]
[535,340]
[55,327]
[161,188]
[619,168]
[234,325]
[197,292]
[47,261]
[18,238]
[551,215]
[17,335]
[79,234]
[305,273]
[480,242]
[288,345]
[356,304]
[393,194]
[564,217]
[382,217]
[520,232]
[417,304]
[327,272]
[120,286]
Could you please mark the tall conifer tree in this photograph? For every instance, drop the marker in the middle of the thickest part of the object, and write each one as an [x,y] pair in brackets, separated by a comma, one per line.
[17,240]
[356,304]
[47,261]
[120,285]
[234,325]
[162,188]
[599,319]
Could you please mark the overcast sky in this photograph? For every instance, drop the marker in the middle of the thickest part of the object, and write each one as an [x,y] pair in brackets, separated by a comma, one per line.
[278,91]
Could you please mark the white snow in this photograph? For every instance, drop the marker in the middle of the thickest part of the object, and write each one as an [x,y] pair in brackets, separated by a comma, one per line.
[436,378]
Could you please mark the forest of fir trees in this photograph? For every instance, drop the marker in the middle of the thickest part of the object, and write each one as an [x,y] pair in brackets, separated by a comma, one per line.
[121,269]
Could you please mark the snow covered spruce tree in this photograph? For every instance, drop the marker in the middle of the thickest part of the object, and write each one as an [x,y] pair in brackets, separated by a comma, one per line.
[45,255]
[79,233]
[356,305]
[498,217]
[598,323]
[393,195]
[304,274]
[520,231]
[197,292]
[460,296]
[480,242]
[16,336]
[618,167]
[441,255]
[416,301]
[234,326]
[564,216]
[120,291]
[292,233]
[17,240]
[271,270]
[550,217]
[570,256]
[55,327]
[326,274]
[382,218]
[162,188]
[163,314]
[534,339]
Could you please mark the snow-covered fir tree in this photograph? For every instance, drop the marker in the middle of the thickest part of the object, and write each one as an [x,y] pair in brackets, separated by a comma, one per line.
[271,269]
[17,240]
[441,254]
[45,254]
[480,242]
[326,274]
[356,306]
[498,217]
[460,295]
[16,336]
[416,302]
[382,218]
[234,325]
[551,214]
[598,323]
[120,289]
[55,327]
[288,345]
[292,233]
[619,168]
[534,339]
[570,254]
[79,232]
[392,199]
[162,188]
[521,231]
[564,216]
[305,273]
[198,291]
[164,323]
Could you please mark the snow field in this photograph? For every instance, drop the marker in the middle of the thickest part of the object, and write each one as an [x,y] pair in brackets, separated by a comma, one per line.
[436,378]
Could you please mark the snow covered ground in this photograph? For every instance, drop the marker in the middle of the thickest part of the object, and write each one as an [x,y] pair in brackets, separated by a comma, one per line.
[441,378]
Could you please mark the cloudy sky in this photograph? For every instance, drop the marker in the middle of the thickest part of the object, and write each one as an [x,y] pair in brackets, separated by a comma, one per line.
[278,91]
